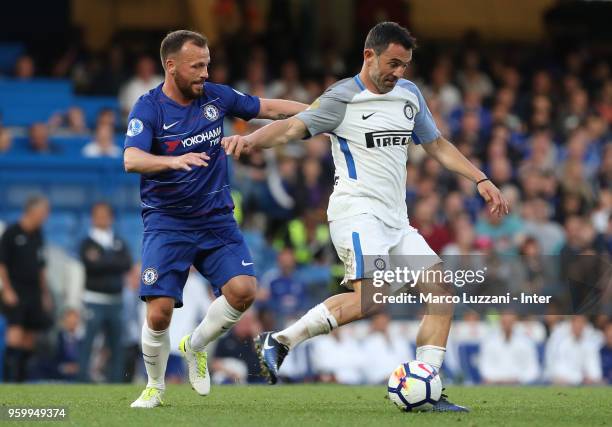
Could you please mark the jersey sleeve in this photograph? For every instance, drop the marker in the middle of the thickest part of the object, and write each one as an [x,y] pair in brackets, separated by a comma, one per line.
[425,129]
[324,115]
[241,105]
[140,129]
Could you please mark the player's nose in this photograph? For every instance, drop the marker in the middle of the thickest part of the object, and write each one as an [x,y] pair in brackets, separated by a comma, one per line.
[399,72]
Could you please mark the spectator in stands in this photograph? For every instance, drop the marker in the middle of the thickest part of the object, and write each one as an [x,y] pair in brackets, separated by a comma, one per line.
[146,78]
[505,232]
[338,358]
[388,350]
[549,234]
[25,67]
[441,85]
[104,143]
[572,353]
[39,140]
[107,116]
[289,85]
[255,81]
[6,140]
[75,121]
[26,299]
[437,235]
[470,78]
[70,123]
[281,289]
[606,354]
[67,347]
[235,359]
[507,355]
[106,259]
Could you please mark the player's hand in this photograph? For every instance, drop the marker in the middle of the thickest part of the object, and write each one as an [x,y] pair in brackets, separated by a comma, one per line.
[9,297]
[186,161]
[236,144]
[498,204]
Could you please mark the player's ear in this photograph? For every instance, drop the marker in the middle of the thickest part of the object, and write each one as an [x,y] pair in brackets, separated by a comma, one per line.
[171,66]
[368,55]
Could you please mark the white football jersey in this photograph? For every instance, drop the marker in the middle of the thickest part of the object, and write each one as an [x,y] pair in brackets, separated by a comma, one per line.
[370,134]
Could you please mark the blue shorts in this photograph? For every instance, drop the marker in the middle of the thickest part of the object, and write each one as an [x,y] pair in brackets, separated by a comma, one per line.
[219,254]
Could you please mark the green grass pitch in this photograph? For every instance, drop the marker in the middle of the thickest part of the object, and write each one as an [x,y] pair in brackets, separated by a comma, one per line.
[310,405]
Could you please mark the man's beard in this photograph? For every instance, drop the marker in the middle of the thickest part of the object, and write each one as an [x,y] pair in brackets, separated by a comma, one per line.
[379,82]
[186,88]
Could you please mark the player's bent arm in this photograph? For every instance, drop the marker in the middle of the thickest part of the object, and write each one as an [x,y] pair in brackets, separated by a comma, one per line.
[277,133]
[279,109]
[139,161]
[452,159]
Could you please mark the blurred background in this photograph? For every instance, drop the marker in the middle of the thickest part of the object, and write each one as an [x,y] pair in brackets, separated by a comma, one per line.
[522,87]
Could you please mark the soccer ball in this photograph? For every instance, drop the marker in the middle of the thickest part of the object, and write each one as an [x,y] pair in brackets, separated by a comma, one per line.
[415,386]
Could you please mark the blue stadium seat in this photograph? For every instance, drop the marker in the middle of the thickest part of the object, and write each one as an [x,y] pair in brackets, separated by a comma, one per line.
[25,102]
[60,229]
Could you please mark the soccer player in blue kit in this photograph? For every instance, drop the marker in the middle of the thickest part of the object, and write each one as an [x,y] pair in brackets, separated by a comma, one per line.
[173,141]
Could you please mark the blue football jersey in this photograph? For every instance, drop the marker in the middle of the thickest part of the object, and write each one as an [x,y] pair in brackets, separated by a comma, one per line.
[178,199]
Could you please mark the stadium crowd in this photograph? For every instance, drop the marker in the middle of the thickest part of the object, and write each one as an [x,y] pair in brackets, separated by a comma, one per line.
[539,126]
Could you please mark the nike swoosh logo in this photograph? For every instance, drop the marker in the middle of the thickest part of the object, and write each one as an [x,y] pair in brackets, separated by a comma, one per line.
[166,127]
[246,263]
[266,345]
[364,117]
[423,367]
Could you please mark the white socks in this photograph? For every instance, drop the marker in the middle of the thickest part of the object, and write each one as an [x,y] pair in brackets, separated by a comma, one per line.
[220,317]
[155,352]
[317,321]
[431,354]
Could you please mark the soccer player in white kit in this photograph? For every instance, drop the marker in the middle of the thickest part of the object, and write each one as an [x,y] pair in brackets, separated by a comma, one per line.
[371,118]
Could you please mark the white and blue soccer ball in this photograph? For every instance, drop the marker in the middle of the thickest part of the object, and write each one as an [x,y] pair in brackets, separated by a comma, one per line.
[415,386]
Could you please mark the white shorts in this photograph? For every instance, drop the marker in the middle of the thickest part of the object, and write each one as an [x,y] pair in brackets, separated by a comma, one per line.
[365,244]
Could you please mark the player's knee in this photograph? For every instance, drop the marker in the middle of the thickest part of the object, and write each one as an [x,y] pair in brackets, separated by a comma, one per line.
[240,293]
[159,319]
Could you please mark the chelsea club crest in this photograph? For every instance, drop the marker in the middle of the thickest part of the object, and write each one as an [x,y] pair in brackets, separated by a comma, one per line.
[211,112]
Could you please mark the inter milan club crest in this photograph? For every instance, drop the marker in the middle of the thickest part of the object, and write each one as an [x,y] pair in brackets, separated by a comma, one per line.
[408,111]
[149,276]
[379,263]
[211,112]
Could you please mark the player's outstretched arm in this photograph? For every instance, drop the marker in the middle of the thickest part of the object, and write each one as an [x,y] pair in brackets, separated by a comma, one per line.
[452,159]
[277,133]
[139,161]
[279,109]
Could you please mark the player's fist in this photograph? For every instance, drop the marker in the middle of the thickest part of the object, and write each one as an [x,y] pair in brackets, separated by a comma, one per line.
[186,161]
[493,197]
[234,145]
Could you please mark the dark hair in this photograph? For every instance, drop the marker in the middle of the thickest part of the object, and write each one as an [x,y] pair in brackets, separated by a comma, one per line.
[175,40]
[385,33]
